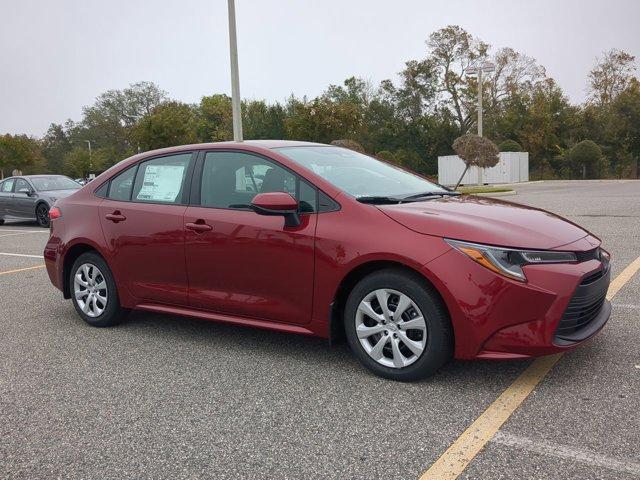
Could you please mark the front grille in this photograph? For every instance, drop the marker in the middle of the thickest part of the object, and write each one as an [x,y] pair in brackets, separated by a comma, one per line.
[586,303]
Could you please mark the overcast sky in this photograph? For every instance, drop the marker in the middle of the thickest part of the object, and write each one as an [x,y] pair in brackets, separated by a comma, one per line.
[57,56]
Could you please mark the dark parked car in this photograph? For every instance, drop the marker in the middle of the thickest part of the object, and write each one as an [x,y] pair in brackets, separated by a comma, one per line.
[29,197]
[319,240]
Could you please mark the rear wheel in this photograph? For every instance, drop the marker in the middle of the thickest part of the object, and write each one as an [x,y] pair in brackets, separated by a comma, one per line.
[42,215]
[1,221]
[397,326]
[93,291]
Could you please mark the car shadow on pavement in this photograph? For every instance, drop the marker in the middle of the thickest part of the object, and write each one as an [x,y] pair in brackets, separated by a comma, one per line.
[299,348]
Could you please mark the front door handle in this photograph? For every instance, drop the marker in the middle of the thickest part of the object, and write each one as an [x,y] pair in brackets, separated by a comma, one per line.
[115,217]
[198,226]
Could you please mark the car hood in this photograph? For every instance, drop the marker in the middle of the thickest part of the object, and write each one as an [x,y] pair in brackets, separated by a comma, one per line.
[485,220]
[57,193]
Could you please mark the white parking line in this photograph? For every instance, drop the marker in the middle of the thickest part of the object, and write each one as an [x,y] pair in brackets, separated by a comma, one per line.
[22,233]
[22,230]
[20,255]
[553,449]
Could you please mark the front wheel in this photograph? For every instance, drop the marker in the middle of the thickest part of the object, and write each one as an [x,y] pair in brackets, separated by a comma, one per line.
[397,326]
[42,215]
[93,291]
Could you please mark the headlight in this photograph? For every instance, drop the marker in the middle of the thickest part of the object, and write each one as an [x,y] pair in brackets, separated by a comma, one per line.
[509,261]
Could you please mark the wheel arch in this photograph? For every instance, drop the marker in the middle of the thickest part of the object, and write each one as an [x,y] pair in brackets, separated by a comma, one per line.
[70,257]
[351,279]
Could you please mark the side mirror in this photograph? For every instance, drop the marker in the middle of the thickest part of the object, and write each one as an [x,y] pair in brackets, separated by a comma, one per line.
[26,191]
[277,204]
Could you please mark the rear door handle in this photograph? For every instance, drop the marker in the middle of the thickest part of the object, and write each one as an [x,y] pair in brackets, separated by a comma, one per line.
[115,217]
[198,226]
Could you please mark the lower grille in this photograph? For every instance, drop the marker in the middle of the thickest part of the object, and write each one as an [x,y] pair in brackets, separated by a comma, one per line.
[585,305]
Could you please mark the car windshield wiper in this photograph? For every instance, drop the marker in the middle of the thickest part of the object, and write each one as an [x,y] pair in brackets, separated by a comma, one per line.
[431,194]
[381,200]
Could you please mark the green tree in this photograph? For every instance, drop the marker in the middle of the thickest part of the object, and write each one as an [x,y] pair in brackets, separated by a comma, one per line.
[586,159]
[55,145]
[215,119]
[510,146]
[170,123]
[19,152]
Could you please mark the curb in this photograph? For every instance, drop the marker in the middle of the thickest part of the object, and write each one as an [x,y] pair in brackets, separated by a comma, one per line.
[496,194]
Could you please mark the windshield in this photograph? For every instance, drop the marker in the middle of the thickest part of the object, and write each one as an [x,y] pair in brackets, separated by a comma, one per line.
[357,174]
[54,182]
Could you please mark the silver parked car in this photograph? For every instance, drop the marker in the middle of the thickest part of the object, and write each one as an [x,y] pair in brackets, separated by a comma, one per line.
[29,197]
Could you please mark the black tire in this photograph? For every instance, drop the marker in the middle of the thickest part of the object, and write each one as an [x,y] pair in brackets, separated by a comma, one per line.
[113,313]
[42,215]
[439,344]
[1,221]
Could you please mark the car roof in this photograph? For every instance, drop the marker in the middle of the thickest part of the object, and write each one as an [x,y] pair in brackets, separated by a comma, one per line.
[268,144]
[42,175]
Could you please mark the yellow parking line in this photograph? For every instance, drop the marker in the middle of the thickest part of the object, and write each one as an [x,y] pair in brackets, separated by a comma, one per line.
[21,270]
[623,278]
[456,458]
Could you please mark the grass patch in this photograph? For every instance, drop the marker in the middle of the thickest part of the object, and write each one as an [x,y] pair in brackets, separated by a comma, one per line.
[484,189]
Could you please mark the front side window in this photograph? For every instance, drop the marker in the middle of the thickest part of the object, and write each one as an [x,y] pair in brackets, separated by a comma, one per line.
[22,184]
[162,180]
[7,186]
[232,179]
[357,174]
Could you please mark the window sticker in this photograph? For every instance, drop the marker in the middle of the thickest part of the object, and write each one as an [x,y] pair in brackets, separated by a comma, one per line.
[161,183]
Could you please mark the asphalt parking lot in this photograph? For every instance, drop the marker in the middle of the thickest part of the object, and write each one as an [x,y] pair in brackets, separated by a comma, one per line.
[169,397]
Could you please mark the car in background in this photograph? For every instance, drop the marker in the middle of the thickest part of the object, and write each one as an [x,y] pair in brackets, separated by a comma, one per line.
[29,197]
[320,240]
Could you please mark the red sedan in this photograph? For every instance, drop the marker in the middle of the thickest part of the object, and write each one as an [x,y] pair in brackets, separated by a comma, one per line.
[319,240]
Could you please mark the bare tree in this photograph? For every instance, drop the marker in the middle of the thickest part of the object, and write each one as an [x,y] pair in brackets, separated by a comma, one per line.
[611,75]
[475,151]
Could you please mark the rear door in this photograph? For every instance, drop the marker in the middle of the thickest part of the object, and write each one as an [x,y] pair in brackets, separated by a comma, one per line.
[142,221]
[242,263]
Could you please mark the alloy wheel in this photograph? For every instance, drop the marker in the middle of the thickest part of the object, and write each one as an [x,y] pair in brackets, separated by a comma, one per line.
[391,328]
[90,290]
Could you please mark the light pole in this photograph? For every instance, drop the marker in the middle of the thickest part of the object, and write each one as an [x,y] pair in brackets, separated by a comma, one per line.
[478,70]
[90,163]
[235,76]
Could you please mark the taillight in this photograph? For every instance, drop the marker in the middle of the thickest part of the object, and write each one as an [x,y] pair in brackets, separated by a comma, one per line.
[54,212]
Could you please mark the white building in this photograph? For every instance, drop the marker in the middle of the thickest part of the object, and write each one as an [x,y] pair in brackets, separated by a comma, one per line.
[513,167]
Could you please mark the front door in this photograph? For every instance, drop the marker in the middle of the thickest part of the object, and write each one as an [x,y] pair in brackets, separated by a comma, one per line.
[242,263]
[23,204]
[142,221]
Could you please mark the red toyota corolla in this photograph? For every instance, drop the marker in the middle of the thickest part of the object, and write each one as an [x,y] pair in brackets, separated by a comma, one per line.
[319,240]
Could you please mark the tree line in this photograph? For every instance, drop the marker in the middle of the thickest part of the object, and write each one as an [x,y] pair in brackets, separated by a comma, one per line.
[409,121]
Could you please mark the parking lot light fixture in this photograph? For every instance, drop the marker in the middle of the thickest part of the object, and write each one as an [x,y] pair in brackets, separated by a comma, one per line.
[235,76]
[477,70]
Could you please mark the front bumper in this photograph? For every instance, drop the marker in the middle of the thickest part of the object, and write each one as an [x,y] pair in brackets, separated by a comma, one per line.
[494,317]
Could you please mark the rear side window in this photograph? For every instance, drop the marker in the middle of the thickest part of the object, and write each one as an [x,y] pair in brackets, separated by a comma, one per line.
[162,179]
[121,185]
[6,186]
